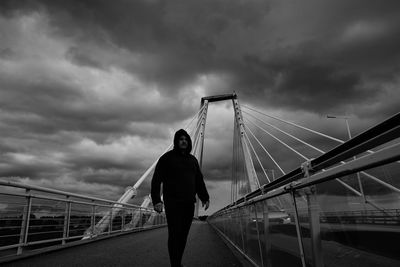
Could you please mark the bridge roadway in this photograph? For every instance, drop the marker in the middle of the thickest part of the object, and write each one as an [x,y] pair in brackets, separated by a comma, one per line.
[147,248]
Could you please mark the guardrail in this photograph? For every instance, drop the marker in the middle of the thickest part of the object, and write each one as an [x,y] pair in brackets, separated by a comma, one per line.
[34,218]
[323,214]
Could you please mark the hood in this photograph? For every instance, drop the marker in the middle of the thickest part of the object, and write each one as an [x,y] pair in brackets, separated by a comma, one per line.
[178,134]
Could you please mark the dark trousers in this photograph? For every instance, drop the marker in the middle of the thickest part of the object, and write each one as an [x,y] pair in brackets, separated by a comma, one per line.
[179,219]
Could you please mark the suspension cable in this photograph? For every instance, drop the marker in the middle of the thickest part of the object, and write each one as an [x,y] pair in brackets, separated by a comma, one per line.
[288,134]
[238,148]
[304,128]
[201,110]
[298,126]
[337,179]
[340,181]
[241,178]
[326,136]
[234,169]
[280,141]
[342,162]
[381,182]
[265,150]
[247,142]
[234,165]
[258,159]
[349,187]
[196,134]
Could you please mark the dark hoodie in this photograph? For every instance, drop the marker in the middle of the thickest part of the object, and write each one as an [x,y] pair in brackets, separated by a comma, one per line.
[180,174]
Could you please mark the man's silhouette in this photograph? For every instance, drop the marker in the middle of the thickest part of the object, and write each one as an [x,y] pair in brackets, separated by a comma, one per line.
[180,174]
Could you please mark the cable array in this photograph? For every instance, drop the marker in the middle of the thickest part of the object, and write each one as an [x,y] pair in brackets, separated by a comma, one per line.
[255,121]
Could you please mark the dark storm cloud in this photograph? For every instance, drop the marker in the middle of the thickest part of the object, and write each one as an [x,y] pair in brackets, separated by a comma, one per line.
[52,106]
[17,164]
[115,176]
[303,84]
[82,58]
[321,55]
[177,39]
[7,53]
[136,64]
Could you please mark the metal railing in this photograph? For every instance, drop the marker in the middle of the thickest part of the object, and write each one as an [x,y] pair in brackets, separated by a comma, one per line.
[307,218]
[34,218]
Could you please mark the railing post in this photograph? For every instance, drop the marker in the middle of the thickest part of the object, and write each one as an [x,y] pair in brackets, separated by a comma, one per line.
[241,227]
[110,221]
[314,217]
[93,219]
[258,234]
[140,225]
[315,227]
[131,220]
[23,237]
[298,229]
[67,216]
[247,230]
[123,219]
[267,241]
[224,224]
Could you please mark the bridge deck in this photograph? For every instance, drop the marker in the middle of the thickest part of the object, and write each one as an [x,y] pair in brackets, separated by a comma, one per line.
[149,248]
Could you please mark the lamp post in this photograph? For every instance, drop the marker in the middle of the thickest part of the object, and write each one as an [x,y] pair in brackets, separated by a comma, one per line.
[346,119]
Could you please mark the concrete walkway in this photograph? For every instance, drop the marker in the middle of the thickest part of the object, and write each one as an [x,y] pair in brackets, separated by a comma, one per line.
[148,248]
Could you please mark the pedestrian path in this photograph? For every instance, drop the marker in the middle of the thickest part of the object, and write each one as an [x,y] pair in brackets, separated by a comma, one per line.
[148,248]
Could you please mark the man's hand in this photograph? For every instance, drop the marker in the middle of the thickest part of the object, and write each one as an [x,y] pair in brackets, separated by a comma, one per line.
[159,207]
[206,204]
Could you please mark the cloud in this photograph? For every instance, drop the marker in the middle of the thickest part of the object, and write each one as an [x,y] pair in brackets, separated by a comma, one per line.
[92,91]
[82,58]
[284,51]
[128,152]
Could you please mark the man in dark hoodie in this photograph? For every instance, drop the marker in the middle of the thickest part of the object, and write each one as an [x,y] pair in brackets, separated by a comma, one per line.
[180,174]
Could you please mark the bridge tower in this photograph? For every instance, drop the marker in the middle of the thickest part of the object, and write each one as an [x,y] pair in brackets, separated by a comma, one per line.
[198,147]
[239,124]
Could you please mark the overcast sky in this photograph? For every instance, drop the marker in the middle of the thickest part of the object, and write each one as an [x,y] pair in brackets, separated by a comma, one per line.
[91,92]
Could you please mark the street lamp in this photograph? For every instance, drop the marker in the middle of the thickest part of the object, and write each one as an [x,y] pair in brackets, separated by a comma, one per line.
[345,118]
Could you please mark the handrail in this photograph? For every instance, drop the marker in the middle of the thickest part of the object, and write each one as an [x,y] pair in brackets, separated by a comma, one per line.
[59,192]
[52,218]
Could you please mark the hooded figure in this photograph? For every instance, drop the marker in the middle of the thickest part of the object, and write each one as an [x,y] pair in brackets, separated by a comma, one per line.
[180,174]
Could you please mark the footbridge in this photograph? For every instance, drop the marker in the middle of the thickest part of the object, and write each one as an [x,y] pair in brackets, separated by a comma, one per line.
[318,205]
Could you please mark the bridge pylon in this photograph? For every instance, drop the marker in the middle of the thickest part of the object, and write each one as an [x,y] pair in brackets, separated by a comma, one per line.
[198,147]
